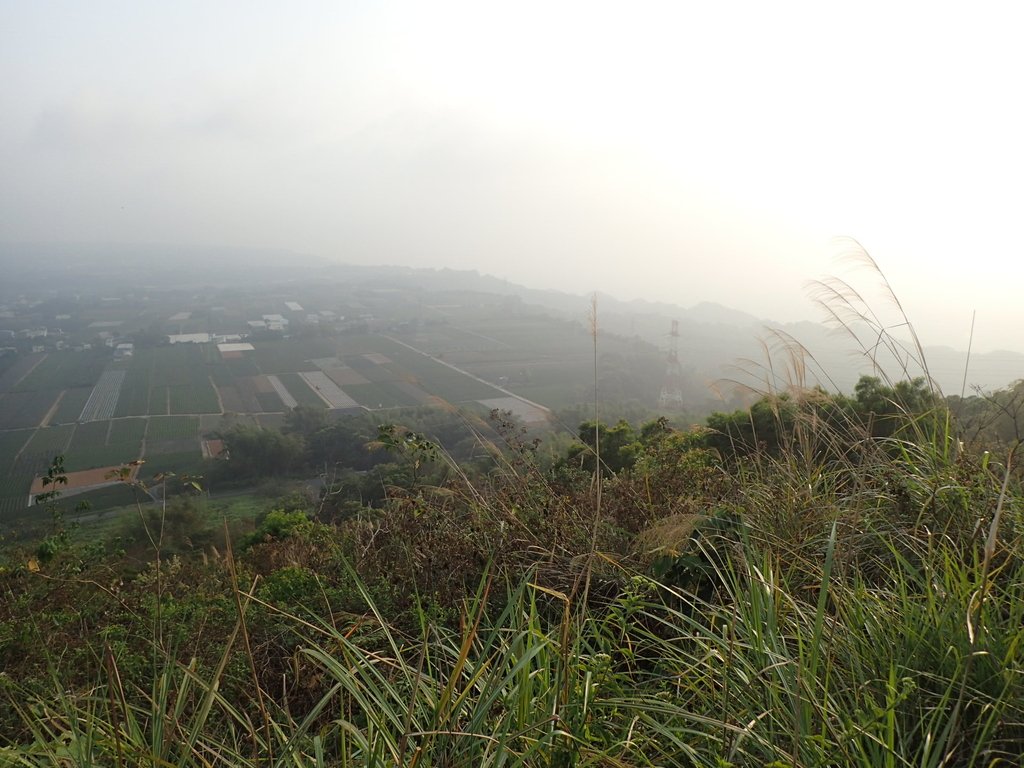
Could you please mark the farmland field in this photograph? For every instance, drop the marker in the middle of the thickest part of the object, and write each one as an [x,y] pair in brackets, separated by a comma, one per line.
[369,370]
[198,397]
[12,442]
[126,430]
[102,456]
[171,379]
[271,420]
[103,400]
[173,428]
[183,462]
[50,441]
[301,391]
[281,392]
[243,366]
[437,377]
[382,395]
[95,444]
[88,435]
[364,344]
[19,369]
[290,356]
[66,370]
[326,388]
[134,397]
[15,477]
[25,409]
[270,402]
[71,405]
[232,400]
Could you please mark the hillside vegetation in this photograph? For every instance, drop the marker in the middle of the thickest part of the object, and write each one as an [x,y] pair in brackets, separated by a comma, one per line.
[818,581]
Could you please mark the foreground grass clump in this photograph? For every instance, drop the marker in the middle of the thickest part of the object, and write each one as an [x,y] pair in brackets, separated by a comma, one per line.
[844,596]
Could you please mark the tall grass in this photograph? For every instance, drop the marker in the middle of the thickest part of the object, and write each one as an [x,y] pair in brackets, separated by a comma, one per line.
[798,656]
[847,600]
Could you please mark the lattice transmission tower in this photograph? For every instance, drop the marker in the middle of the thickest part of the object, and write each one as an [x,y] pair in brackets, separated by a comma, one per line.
[672,387]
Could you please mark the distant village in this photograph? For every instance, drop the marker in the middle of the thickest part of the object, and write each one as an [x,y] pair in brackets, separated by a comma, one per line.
[68,332]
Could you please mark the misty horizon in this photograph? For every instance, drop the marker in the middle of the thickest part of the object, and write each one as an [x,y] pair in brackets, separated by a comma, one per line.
[668,154]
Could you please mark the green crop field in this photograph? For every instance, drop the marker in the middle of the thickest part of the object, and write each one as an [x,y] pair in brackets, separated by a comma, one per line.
[270,420]
[159,401]
[438,378]
[177,364]
[16,370]
[50,441]
[222,376]
[362,344]
[290,356]
[102,456]
[102,444]
[134,397]
[299,389]
[269,402]
[71,405]
[12,442]
[15,477]
[243,366]
[66,370]
[25,409]
[126,430]
[381,395]
[371,371]
[176,445]
[172,428]
[89,435]
[36,455]
[180,463]
[198,397]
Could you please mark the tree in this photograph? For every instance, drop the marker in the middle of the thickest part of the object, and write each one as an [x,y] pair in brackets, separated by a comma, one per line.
[255,452]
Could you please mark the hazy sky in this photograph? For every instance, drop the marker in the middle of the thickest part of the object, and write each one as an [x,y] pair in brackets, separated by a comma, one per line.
[676,151]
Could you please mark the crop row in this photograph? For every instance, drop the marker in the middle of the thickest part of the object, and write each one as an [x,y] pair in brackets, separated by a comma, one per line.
[291,355]
[19,368]
[71,404]
[134,399]
[126,430]
[50,441]
[102,456]
[103,400]
[180,463]
[89,435]
[438,378]
[300,390]
[66,370]
[25,409]
[172,427]
[12,442]
[199,397]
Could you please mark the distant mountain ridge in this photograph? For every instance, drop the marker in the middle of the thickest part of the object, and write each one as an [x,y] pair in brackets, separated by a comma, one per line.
[715,343]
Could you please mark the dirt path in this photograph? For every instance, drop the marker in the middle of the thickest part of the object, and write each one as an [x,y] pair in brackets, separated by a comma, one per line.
[27,373]
[220,403]
[53,409]
[168,401]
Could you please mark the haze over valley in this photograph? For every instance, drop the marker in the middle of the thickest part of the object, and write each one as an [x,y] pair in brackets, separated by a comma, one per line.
[527,385]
